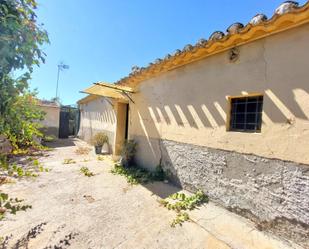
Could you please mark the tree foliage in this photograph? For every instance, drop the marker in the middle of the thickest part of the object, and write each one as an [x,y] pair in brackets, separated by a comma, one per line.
[21,38]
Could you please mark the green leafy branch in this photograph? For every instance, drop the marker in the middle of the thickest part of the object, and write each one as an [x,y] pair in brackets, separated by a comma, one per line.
[11,205]
[180,202]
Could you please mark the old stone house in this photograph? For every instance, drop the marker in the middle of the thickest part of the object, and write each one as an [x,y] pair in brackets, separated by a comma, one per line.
[228,115]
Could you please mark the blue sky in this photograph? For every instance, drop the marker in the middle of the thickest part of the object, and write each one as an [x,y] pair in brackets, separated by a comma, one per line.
[101,40]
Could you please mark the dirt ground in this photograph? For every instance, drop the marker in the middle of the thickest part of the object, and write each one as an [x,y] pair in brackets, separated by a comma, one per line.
[70,210]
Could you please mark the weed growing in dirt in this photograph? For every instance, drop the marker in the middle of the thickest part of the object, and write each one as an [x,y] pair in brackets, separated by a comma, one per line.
[39,166]
[82,151]
[35,162]
[19,171]
[30,159]
[86,171]
[44,148]
[6,180]
[42,169]
[49,139]
[11,205]
[101,158]
[181,202]
[181,217]
[4,162]
[135,175]
[68,161]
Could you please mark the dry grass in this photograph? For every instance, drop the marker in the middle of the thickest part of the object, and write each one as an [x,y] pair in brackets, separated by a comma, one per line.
[6,180]
[82,151]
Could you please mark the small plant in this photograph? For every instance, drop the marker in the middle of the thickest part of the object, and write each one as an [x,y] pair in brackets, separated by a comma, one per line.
[180,218]
[82,151]
[135,175]
[86,171]
[11,205]
[99,139]
[4,162]
[42,169]
[30,159]
[101,158]
[68,161]
[181,202]
[20,152]
[38,166]
[50,138]
[36,162]
[128,153]
[45,148]
[20,172]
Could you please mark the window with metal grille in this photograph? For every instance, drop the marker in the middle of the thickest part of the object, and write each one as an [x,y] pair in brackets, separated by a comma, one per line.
[246,113]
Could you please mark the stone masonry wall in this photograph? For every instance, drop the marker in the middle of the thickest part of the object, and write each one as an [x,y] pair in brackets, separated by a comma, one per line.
[273,193]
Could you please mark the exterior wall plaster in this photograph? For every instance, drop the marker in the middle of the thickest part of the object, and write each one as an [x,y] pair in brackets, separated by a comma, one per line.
[190,104]
[51,120]
[98,115]
[179,120]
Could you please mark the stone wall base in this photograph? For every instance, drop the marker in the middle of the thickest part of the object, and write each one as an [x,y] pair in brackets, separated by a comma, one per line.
[273,193]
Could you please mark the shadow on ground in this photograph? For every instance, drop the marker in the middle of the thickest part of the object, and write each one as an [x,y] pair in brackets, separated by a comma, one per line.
[161,189]
[62,142]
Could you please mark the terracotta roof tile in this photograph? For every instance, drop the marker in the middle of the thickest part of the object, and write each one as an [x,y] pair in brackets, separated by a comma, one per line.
[288,15]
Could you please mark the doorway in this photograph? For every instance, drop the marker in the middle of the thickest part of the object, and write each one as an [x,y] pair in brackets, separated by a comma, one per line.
[127,123]
[122,126]
[68,122]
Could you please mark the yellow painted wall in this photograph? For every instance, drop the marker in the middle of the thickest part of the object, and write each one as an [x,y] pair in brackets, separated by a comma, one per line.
[190,104]
[121,112]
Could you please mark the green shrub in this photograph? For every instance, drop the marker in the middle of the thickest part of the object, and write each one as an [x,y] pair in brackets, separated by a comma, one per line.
[21,38]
